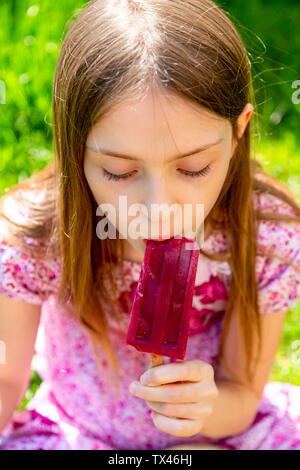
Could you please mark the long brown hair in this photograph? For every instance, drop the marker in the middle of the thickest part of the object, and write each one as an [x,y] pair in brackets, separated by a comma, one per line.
[122,48]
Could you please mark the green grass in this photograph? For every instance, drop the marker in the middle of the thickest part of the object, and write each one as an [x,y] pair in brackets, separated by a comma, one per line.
[281,159]
[286,367]
[30,36]
[31,33]
[35,382]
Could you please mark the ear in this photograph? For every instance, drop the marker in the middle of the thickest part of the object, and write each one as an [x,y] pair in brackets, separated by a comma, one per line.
[242,123]
[243,119]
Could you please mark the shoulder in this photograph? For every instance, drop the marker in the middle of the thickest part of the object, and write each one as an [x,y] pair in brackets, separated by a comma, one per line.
[278,245]
[269,232]
[280,237]
[22,275]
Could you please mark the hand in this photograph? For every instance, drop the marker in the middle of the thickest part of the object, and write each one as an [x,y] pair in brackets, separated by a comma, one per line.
[179,409]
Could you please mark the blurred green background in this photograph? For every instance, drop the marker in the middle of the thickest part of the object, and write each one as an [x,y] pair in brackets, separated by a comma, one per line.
[31,32]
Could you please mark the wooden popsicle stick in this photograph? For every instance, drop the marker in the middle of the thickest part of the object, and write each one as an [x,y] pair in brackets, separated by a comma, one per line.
[156,360]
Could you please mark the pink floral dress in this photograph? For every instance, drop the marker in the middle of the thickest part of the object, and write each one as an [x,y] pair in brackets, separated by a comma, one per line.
[73,409]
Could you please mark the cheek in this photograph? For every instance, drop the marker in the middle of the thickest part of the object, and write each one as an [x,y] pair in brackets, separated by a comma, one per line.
[89,176]
[215,185]
[221,173]
[101,191]
[208,189]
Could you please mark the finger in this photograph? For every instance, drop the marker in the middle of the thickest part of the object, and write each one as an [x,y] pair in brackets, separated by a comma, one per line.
[177,393]
[196,411]
[176,427]
[192,371]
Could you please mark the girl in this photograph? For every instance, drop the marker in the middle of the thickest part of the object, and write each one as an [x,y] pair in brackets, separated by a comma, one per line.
[132,74]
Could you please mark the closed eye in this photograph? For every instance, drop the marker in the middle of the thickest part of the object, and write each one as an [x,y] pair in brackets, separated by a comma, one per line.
[110,176]
[202,172]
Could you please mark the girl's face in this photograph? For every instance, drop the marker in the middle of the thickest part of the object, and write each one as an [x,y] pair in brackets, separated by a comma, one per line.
[159,149]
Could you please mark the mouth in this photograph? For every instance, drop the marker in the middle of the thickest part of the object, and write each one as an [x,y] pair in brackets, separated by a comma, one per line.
[156,239]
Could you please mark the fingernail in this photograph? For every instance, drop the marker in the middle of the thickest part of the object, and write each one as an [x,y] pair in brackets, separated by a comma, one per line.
[133,387]
[145,378]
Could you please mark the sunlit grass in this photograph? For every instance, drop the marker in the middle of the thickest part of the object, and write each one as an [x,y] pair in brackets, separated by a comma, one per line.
[286,367]
[281,159]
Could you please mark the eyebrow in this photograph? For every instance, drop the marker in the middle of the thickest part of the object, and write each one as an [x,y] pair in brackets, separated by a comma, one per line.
[129,157]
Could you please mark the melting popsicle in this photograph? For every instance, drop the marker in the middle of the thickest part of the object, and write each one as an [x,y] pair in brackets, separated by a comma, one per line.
[162,304]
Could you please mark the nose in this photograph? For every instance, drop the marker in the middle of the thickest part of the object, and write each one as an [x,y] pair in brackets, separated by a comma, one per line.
[160,209]
[158,194]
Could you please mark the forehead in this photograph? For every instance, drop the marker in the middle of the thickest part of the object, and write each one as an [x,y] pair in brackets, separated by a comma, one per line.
[160,109]
[154,120]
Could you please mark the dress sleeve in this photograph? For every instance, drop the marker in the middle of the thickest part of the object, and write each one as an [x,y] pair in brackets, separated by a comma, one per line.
[25,278]
[278,283]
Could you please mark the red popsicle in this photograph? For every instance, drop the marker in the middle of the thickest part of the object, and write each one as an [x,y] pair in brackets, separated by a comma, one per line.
[161,309]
